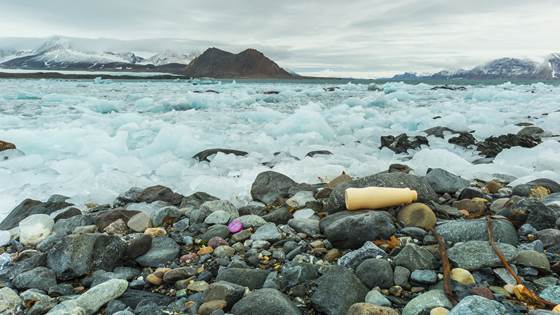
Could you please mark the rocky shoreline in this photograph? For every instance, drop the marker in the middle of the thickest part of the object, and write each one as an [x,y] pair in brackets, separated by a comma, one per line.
[293,250]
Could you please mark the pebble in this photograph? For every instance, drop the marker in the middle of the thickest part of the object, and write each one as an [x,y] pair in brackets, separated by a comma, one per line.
[417,215]
[155,232]
[375,297]
[139,222]
[235,226]
[198,286]
[462,276]
[424,276]
[439,311]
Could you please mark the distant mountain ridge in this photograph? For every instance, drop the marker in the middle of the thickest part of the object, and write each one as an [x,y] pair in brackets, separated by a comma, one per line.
[60,54]
[250,63]
[502,68]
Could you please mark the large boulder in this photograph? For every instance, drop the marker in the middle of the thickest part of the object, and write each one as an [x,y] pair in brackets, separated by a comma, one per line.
[78,254]
[41,278]
[336,202]
[353,229]
[337,290]
[478,305]
[265,302]
[269,185]
[149,195]
[443,181]
[204,155]
[476,230]
[532,211]
[29,207]
[525,189]
[473,255]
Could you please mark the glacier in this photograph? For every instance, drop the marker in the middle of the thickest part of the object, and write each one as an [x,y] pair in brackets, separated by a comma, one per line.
[93,141]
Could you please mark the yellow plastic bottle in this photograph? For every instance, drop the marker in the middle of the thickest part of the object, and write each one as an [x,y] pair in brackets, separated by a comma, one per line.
[378,197]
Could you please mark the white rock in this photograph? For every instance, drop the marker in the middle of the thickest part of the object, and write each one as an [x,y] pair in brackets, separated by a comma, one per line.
[35,228]
[91,301]
[217,217]
[300,199]
[139,222]
[9,300]
[5,237]
[304,213]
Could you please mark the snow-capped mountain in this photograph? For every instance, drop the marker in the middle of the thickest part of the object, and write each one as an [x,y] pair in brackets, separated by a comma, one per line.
[60,53]
[168,57]
[502,68]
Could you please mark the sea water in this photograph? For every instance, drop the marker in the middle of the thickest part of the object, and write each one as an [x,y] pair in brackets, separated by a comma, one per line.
[94,139]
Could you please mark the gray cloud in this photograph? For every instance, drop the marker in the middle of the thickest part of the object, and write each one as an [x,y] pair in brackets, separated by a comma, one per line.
[363,37]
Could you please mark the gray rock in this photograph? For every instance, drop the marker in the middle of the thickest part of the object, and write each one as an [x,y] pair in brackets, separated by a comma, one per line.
[549,237]
[414,257]
[478,305]
[551,294]
[41,278]
[165,215]
[353,229]
[376,298]
[278,216]
[251,278]
[328,299]
[93,299]
[307,226]
[443,181]
[531,258]
[137,245]
[475,255]
[252,220]
[133,297]
[296,273]
[149,195]
[217,205]
[217,217]
[269,185]
[115,306]
[375,273]
[40,302]
[265,302]
[29,207]
[424,276]
[531,211]
[213,231]
[67,226]
[223,290]
[505,276]
[524,189]
[401,276]
[204,155]
[530,131]
[163,250]
[353,258]
[336,202]
[425,302]
[267,232]
[475,230]
[78,254]
[196,200]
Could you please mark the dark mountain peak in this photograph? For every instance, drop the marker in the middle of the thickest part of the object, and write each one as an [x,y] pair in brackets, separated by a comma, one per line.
[250,63]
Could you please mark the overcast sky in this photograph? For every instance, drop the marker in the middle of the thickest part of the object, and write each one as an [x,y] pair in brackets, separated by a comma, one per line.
[354,37]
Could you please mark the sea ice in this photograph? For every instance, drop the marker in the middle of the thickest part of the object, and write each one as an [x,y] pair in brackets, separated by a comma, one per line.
[93,141]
